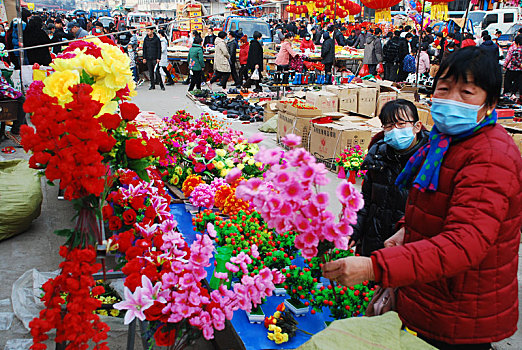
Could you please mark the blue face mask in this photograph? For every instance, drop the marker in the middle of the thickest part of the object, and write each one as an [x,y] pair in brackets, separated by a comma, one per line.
[400,139]
[2,34]
[453,117]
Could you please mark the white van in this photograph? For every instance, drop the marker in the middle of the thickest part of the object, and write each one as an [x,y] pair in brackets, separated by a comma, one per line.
[501,19]
[139,20]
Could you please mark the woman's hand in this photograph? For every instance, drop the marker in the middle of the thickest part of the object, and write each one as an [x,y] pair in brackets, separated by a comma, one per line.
[349,271]
[395,240]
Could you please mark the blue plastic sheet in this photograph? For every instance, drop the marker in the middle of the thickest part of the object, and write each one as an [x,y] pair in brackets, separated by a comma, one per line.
[254,336]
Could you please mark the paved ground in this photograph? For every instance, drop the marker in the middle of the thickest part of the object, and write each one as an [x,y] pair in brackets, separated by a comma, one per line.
[38,247]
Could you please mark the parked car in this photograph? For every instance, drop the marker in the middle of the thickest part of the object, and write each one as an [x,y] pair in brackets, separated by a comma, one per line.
[248,25]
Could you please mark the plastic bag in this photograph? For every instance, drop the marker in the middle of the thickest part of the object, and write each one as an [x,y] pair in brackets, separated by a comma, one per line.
[20,197]
[380,68]
[270,126]
[364,71]
[255,75]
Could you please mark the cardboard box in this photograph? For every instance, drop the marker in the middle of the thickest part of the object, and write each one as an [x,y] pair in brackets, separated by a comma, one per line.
[270,109]
[386,94]
[288,124]
[328,140]
[366,101]
[407,93]
[324,100]
[303,113]
[505,115]
[343,91]
[515,130]
[282,103]
[424,115]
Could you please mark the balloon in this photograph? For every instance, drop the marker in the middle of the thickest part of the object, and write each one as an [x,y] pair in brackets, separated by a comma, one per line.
[419,7]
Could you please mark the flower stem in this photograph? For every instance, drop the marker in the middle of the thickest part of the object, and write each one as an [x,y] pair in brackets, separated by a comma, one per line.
[305,332]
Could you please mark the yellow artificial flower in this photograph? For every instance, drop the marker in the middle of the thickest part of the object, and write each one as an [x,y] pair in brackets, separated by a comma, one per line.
[58,84]
[115,313]
[279,338]
[224,172]
[270,336]
[101,93]
[220,165]
[277,314]
[271,327]
[102,312]
[221,152]
[178,170]
[259,164]
[229,163]
[246,159]
[251,162]
[241,166]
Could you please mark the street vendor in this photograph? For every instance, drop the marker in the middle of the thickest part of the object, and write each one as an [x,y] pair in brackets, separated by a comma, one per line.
[454,259]
[307,43]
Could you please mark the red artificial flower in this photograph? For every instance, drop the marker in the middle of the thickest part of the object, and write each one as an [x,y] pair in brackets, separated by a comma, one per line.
[129,111]
[123,93]
[137,203]
[131,128]
[89,47]
[210,166]
[157,148]
[133,281]
[135,149]
[199,167]
[125,240]
[106,143]
[164,337]
[129,217]
[107,212]
[110,121]
[114,223]
[154,313]
[150,213]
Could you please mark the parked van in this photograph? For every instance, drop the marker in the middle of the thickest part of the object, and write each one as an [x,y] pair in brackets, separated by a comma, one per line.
[139,19]
[501,19]
[248,25]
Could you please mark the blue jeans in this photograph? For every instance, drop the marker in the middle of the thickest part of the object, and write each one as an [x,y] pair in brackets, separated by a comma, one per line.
[135,73]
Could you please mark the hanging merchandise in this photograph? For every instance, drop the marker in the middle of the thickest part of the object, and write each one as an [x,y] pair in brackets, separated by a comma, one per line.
[382,8]
[439,10]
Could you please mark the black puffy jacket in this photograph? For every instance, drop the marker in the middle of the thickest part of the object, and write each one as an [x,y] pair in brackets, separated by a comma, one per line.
[328,51]
[151,48]
[384,203]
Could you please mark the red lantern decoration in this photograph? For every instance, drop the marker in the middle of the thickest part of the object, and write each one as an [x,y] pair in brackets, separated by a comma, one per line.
[353,8]
[288,8]
[382,8]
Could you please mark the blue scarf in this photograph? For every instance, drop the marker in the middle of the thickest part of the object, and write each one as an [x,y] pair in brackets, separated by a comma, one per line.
[429,157]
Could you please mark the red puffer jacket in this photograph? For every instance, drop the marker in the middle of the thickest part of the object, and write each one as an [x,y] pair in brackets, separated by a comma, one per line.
[457,271]
[243,53]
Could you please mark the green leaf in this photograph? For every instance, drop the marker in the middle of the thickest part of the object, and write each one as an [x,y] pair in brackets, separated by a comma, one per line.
[86,78]
[50,183]
[64,232]
[143,175]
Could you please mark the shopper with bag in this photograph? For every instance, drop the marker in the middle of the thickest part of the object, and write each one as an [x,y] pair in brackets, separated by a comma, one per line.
[196,63]
[455,257]
[513,66]
[373,51]
[221,61]
[285,52]
[403,134]
[255,62]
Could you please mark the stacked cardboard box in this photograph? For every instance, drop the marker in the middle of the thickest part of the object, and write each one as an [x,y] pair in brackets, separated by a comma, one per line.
[296,121]
[270,109]
[324,100]
[515,130]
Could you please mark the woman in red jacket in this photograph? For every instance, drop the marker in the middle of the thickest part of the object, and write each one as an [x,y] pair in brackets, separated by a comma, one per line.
[307,43]
[455,258]
[243,58]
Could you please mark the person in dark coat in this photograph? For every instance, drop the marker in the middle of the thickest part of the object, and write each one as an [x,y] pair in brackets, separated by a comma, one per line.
[210,38]
[391,57]
[255,60]
[490,47]
[232,50]
[34,35]
[152,56]
[405,48]
[350,40]
[59,35]
[384,202]
[339,37]
[361,39]
[317,35]
[328,54]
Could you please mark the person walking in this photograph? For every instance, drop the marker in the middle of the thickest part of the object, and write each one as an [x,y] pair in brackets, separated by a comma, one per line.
[152,57]
[391,57]
[373,51]
[513,66]
[244,47]
[255,61]
[424,59]
[196,64]
[34,35]
[221,61]
[454,258]
[282,60]
[403,134]
[232,51]
[328,56]
[491,47]
[405,49]
[164,61]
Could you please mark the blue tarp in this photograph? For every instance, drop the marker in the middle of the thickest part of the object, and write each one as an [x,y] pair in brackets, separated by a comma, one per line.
[254,336]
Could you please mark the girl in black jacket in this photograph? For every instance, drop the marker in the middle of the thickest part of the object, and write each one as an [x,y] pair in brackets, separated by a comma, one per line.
[255,60]
[34,35]
[384,203]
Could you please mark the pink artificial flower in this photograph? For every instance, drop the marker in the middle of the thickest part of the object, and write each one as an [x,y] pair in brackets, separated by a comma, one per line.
[306,173]
[256,138]
[233,175]
[344,191]
[218,319]
[321,200]
[291,140]
[221,275]
[135,303]
[231,267]
[294,190]
[211,230]
[153,292]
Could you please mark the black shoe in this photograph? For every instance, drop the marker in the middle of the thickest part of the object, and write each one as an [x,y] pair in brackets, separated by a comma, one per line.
[170,83]
[186,82]
[152,88]
[163,88]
